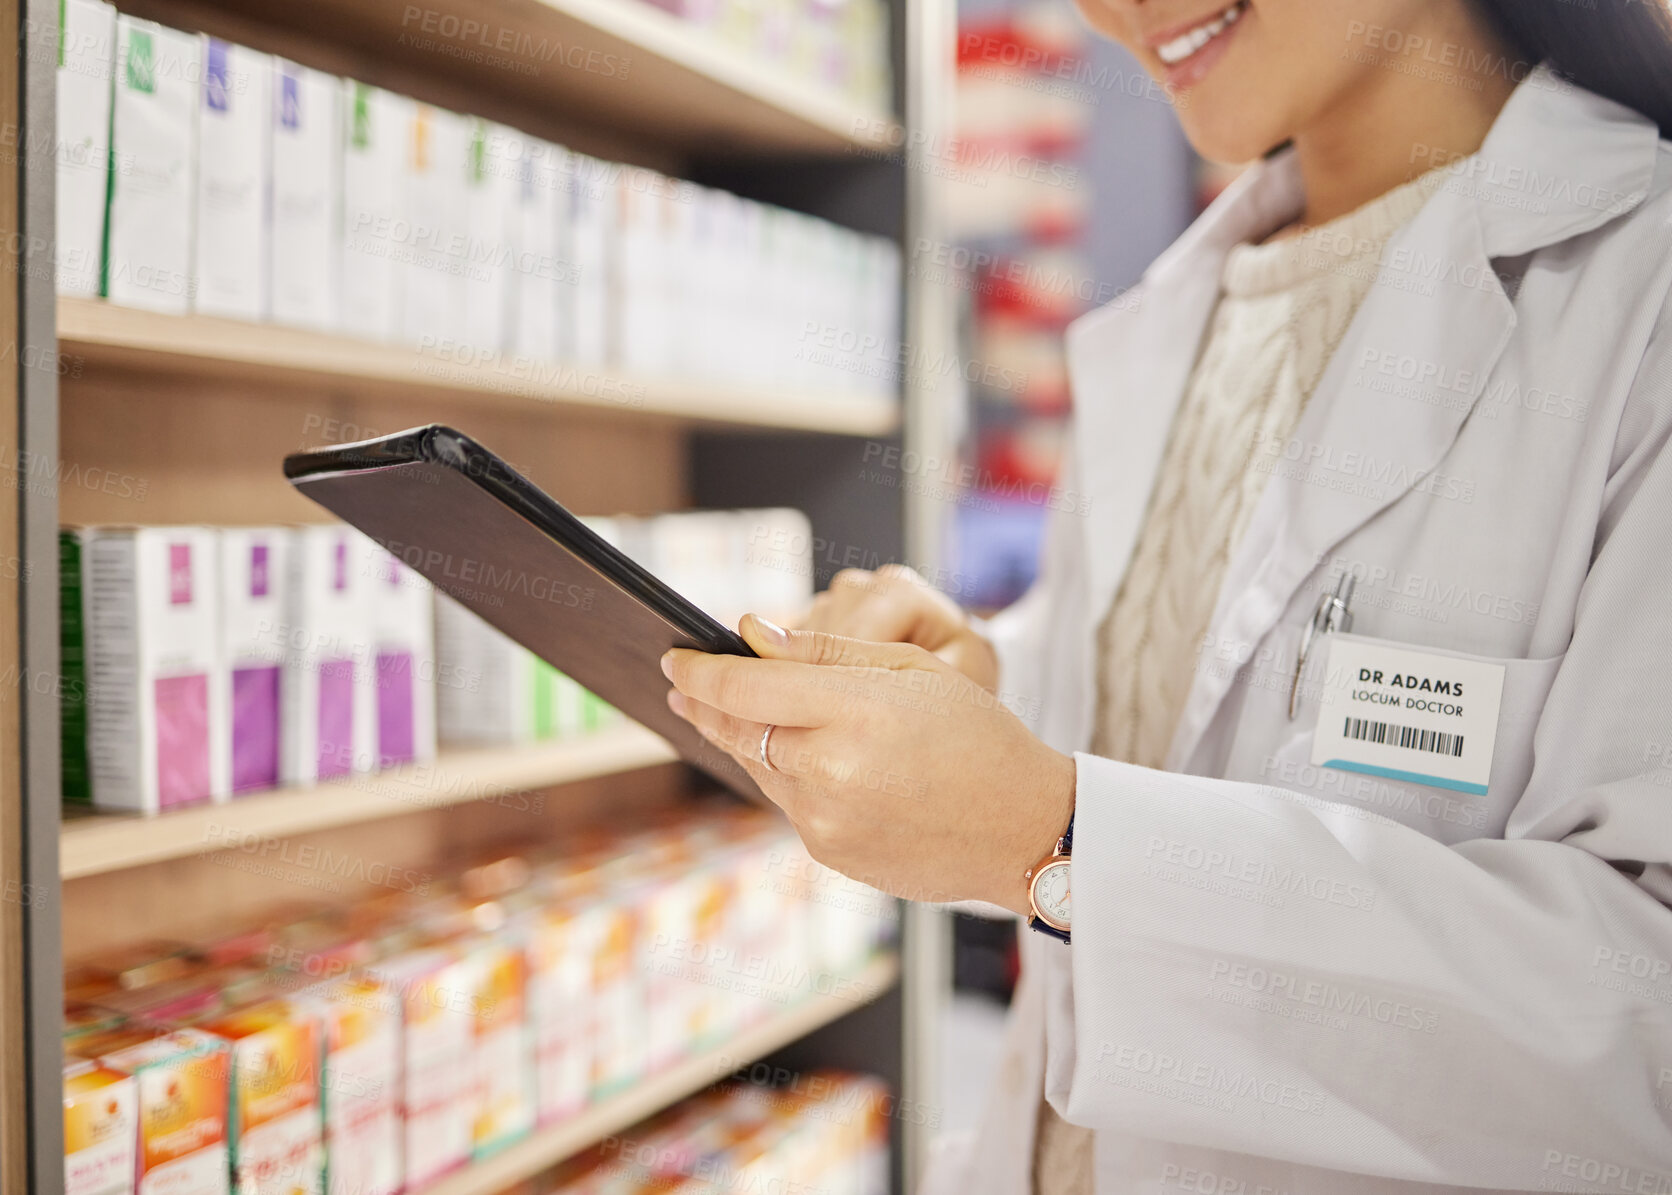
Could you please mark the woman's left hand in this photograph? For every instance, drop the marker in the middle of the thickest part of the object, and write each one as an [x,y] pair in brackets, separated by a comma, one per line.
[895,768]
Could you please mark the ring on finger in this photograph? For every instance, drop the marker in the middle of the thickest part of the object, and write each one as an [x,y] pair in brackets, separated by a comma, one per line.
[766,744]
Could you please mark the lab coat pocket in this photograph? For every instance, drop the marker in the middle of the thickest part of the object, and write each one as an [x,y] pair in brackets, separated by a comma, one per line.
[1446,812]
[1526,686]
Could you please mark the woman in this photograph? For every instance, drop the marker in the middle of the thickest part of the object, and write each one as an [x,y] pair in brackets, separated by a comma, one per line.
[1352,678]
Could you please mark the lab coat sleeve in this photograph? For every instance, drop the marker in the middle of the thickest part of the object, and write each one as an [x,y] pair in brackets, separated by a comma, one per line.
[1259,971]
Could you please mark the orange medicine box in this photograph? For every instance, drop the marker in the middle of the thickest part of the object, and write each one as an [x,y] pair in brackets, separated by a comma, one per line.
[360,1024]
[437,987]
[618,1009]
[504,1060]
[560,1006]
[598,880]
[276,1137]
[101,1129]
[181,1078]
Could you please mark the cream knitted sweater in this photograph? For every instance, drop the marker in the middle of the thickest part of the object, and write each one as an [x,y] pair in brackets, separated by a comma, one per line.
[1284,307]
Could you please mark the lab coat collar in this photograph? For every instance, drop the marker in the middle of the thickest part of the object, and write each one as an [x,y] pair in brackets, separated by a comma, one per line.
[1559,161]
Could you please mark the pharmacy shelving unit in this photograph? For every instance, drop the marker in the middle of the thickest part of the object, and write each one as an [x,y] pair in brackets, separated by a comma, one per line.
[106,415]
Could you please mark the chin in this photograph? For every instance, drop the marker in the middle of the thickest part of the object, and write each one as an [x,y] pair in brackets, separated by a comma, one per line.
[1229,137]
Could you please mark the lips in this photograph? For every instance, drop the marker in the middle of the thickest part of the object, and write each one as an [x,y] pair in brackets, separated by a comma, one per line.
[1181,46]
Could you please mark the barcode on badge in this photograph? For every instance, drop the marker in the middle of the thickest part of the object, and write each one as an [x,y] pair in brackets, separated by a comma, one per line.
[1437,741]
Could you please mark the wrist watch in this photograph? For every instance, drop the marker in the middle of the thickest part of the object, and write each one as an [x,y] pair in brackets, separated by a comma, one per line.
[1048,889]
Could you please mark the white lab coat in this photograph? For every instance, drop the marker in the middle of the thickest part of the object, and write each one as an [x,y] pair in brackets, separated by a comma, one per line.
[1487,981]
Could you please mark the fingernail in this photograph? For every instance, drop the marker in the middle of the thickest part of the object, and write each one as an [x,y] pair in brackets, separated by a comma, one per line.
[667,664]
[676,702]
[772,632]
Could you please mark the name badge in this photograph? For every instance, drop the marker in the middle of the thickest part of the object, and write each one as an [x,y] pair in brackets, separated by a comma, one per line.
[1408,715]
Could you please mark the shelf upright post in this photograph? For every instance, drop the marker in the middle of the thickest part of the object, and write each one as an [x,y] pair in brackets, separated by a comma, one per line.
[31,979]
[932,418]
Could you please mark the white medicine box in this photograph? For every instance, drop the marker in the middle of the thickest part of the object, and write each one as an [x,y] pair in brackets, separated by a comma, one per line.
[156,681]
[230,258]
[153,138]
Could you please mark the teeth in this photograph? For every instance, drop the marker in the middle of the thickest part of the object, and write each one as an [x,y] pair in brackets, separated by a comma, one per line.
[1186,44]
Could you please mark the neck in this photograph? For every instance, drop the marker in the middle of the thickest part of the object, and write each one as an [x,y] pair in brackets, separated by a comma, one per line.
[1398,125]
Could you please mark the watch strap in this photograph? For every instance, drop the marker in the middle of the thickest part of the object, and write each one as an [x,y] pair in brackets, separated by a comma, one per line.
[1039,925]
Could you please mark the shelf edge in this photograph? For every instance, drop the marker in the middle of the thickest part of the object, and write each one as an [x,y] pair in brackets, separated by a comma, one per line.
[99,843]
[125,338]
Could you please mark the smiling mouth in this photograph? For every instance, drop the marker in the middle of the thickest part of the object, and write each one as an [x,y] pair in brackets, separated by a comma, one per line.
[1185,44]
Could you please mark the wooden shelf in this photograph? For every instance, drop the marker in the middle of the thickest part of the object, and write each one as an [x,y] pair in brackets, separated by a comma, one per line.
[621,65]
[544,1148]
[93,843]
[103,335]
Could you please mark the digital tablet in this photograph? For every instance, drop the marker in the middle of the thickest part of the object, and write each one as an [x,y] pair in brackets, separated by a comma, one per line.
[486,536]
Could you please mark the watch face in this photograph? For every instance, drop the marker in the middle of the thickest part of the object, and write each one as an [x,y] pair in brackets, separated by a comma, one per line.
[1050,894]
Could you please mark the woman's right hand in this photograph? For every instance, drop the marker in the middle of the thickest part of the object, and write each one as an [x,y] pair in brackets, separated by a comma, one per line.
[895,605]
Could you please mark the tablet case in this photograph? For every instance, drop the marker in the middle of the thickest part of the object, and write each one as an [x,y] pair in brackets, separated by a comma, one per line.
[486,536]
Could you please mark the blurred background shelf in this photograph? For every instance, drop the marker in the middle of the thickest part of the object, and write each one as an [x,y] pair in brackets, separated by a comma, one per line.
[95,843]
[624,65]
[667,1087]
[98,336]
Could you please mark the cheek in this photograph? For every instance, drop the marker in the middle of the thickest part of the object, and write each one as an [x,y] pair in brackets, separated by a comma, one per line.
[1108,17]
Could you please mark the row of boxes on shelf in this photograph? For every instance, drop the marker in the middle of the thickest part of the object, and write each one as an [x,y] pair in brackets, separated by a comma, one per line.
[197,175]
[203,663]
[200,662]
[842,45]
[371,1048]
[495,691]
[824,1131]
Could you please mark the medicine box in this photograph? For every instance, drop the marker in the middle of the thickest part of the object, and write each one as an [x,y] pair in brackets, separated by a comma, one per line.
[590,334]
[148,262]
[234,106]
[401,608]
[101,1129]
[254,570]
[306,193]
[540,277]
[437,167]
[504,1058]
[76,784]
[593,883]
[277,1137]
[157,735]
[490,680]
[376,236]
[182,1082]
[360,1037]
[676,969]
[642,273]
[492,195]
[437,986]
[560,1007]
[86,50]
[327,683]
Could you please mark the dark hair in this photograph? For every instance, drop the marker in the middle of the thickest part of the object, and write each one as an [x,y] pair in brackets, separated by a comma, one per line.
[1618,48]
